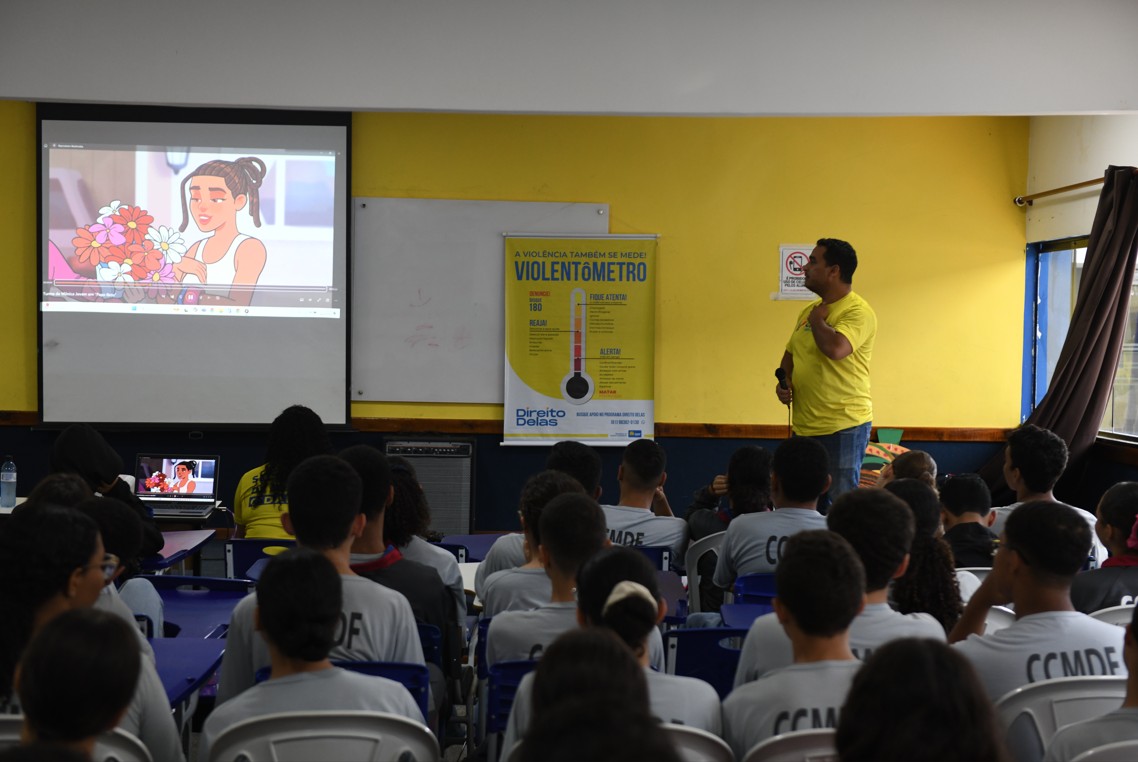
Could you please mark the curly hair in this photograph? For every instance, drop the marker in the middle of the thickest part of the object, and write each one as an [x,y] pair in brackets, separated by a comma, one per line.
[409,515]
[295,435]
[749,480]
[930,584]
[242,177]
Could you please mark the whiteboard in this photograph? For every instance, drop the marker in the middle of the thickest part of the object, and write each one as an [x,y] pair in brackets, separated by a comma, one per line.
[427,292]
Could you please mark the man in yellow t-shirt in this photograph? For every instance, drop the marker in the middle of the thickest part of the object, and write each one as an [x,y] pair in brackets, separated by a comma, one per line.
[827,364]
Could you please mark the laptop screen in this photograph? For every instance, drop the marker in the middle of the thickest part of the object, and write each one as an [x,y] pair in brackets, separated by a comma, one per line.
[176,477]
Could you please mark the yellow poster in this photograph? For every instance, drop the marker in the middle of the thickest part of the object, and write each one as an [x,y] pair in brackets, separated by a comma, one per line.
[580,338]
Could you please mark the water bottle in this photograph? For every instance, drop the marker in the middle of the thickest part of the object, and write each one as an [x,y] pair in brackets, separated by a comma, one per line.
[8,483]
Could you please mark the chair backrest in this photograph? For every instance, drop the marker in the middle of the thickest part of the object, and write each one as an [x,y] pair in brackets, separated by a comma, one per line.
[459,552]
[1119,615]
[1031,714]
[709,544]
[431,639]
[799,746]
[998,618]
[710,654]
[659,555]
[672,590]
[115,746]
[1119,751]
[305,736]
[979,571]
[414,677]
[502,686]
[241,554]
[480,649]
[755,588]
[695,745]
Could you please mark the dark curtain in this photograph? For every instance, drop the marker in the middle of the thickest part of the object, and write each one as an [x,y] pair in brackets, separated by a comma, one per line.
[1079,392]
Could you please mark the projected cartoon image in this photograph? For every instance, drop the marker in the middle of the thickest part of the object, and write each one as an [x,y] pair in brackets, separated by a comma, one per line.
[262,233]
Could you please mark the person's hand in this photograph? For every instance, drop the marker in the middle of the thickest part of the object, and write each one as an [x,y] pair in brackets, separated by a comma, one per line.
[187,266]
[990,593]
[885,475]
[818,314]
[660,505]
[718,486]
[785,396]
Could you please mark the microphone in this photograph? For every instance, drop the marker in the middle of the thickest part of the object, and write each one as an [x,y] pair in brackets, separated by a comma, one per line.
[780,374]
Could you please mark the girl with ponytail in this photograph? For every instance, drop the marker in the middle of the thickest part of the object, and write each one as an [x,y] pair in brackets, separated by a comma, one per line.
[1116,581]
[226,261]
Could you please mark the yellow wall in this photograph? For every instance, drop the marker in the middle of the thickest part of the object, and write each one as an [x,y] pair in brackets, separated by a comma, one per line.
[926,202]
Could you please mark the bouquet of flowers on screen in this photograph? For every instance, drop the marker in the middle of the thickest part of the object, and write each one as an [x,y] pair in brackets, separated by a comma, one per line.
[131,257]
[158,482]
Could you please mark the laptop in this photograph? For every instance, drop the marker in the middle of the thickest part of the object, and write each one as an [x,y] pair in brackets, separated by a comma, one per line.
[177,485]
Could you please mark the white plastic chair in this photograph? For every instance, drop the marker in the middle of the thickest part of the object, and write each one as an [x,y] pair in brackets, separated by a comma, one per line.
[1030,715]
[798,746]
[1119,615]
[979,571]
[1119,751]
[695,551]
[305,736]
[998,618]
[695,745]
[115,746]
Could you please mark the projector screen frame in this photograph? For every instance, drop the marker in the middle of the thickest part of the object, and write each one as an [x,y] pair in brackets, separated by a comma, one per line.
[337,415]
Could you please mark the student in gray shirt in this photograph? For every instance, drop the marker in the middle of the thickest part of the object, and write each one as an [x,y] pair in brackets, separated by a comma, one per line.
[572,530]
[1042,548]
[298,604]
[800,474]
[821,588]
[1119,725]
[527,586]
[617,590]
[643,516]
[569,457]
[880,528]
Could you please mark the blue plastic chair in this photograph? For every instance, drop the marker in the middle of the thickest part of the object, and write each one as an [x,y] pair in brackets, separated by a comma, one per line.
[477,545]
[659,555]
[672,590]
[241,554]
[459,552]
[505,677]
[755,588]
[710,654]
[431,639]
[414,677]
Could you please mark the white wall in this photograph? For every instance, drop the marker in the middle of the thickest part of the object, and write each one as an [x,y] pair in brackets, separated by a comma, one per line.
[1064,150]
[590,56]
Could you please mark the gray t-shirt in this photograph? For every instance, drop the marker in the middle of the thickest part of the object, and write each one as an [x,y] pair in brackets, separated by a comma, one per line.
[799,697]
[516,589]
[1044,646]
[1098,550]
[110,601]
[754,541]
[1073,740]
[141,598]
[637,527]
[326,690]
[376,624]
[444,562]
[767,647]
[507,552]
[675,699]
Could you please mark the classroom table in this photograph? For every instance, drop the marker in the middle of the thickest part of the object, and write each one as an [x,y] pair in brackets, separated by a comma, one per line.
[178,546]
[477,545]
[200,613]
[184,664]
[743,615]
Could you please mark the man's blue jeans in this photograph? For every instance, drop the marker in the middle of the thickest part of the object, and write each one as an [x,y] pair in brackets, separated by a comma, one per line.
[846,449]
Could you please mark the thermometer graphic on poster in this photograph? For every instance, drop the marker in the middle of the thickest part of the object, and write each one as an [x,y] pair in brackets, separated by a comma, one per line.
[577,386]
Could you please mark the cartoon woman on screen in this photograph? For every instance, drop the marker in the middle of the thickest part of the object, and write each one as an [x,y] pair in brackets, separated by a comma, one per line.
[183,471]
[226,258]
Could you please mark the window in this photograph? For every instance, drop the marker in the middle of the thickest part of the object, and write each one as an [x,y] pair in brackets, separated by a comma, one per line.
[1053,274]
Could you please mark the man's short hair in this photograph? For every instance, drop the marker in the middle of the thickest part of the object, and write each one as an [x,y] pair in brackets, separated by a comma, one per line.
[1051,538]
[299,600]
[802,466]
[78,674]
[965,493]
[922,500]
[578,460]
[572,531]
[323,500]
[821,581]
[375,473]
[879,526]
[749,479]
[1039,454]
[538,490]
[644,462]
[840,253]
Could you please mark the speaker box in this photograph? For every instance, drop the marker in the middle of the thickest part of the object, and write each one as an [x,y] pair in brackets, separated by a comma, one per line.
[446,471]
